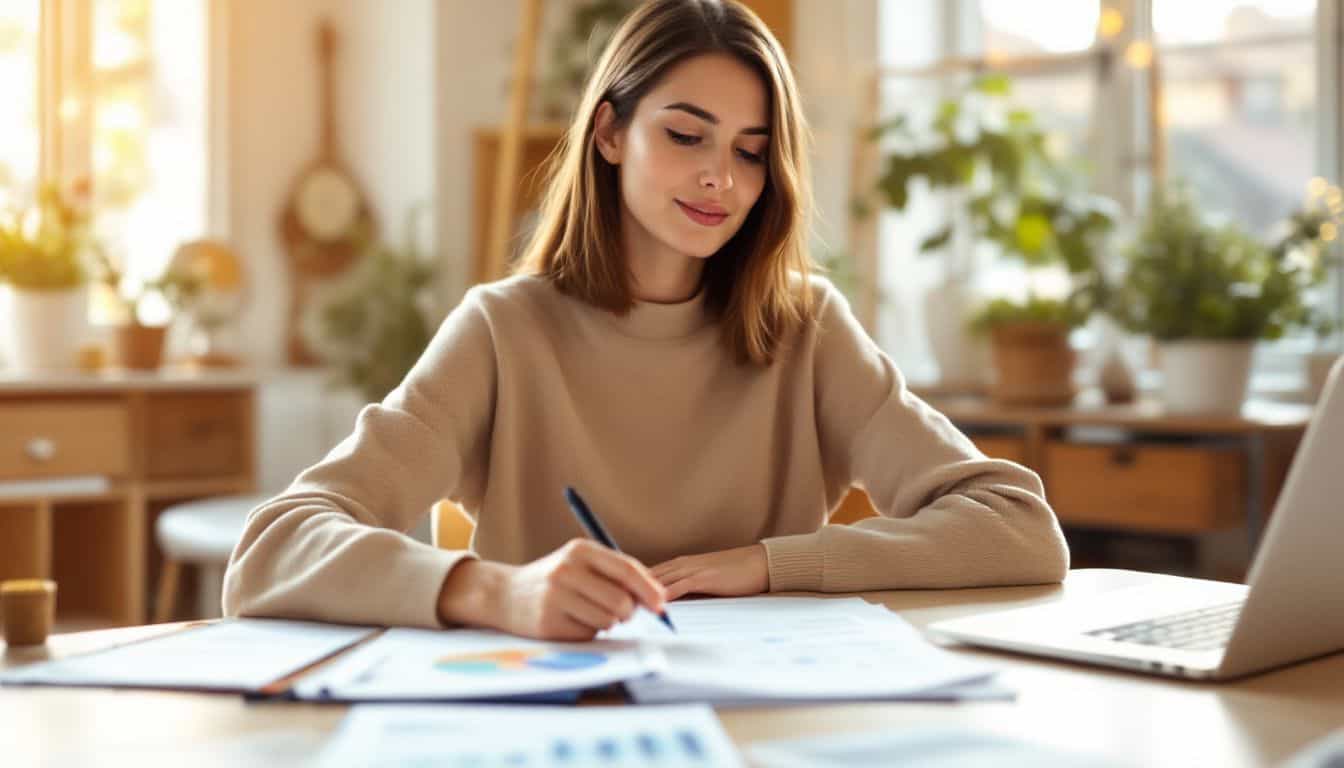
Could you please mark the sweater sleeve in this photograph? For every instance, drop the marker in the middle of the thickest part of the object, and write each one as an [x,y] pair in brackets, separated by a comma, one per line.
[333,546]
[949,516]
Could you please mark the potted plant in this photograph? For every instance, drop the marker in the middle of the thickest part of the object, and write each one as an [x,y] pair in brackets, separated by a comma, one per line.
[44,251]
[1008,190]
[137,335]
[1206,293]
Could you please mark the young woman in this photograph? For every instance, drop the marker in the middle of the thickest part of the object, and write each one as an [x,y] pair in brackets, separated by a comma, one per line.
[664,349]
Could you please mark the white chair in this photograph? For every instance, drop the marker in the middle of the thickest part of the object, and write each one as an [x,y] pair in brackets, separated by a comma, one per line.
[200,533]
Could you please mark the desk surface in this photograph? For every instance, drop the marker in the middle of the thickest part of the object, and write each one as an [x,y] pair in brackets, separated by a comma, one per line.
[1134,719]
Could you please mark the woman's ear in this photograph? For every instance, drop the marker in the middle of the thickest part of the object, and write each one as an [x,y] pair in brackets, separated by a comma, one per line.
[609,138]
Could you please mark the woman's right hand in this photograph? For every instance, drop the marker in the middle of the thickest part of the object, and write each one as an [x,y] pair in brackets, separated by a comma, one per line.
[573,593]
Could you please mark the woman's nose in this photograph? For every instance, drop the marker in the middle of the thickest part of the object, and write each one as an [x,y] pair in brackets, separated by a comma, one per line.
[719,175]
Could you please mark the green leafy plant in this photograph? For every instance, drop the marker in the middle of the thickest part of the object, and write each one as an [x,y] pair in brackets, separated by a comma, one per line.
[371,325]
[47,246]
[1189,279]
[1009,190]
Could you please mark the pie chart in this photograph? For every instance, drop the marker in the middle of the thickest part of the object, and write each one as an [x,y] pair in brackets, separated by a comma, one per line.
[515,661]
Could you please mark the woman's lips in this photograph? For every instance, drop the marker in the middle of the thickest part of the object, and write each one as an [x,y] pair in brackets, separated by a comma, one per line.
[701,217]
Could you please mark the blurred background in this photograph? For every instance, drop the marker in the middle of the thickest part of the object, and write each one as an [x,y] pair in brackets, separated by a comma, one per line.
[1099,234]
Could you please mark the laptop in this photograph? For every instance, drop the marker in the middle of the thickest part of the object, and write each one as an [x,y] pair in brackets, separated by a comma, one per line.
[1291,608]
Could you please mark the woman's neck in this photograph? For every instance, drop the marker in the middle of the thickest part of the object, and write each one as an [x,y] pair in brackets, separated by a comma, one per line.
[659,274]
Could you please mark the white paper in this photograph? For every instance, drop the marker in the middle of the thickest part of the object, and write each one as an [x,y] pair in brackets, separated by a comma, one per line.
[740,650]
[530,737]
[406,664]
[932,747]
[230,655]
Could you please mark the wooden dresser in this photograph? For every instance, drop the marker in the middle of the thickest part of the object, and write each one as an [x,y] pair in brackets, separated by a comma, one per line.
[1136,469]
[156,438]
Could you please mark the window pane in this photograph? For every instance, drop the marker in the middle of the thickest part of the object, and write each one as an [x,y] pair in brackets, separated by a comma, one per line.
[19,143]
[1035,26]
[1178,22]
[149,128]
[1240,126]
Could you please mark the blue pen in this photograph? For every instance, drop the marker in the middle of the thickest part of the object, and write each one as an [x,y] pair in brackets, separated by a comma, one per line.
[594,528]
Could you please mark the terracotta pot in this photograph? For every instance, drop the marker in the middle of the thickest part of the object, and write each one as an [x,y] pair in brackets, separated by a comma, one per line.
[1033,363]
[138,346]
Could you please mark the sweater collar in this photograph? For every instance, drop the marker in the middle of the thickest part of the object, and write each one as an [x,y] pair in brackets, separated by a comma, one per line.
[652,320]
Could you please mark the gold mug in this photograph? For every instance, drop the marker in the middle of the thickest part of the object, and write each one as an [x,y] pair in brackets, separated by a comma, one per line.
[28,610]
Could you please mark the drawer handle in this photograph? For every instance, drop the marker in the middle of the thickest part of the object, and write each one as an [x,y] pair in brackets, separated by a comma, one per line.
[1123,457]
[41,449]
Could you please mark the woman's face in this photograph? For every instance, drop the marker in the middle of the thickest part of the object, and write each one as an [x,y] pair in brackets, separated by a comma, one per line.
[693,157]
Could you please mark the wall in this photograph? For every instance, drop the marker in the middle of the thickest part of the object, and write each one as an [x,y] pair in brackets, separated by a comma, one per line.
[385,75]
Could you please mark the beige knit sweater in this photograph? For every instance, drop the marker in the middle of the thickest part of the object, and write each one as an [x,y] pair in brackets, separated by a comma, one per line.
[677,447]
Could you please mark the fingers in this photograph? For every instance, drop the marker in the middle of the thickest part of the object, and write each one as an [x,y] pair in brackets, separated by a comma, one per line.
[586,612]
[564,627]
[595,588]
[627,573]
[666,571]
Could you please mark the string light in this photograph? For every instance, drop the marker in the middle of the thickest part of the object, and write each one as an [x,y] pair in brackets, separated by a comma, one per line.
[1139,54]
[1110,24]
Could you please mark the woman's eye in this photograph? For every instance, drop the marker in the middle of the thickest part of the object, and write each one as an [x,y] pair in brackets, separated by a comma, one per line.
[682,138]
[750,157]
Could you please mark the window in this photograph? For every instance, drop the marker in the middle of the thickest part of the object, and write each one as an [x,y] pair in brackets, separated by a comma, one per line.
[1238,83]
[112,91]
[19,135]
[1239,97]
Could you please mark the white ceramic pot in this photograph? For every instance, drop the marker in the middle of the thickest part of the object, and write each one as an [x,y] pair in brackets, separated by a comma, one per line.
[1205,376]
[46,328]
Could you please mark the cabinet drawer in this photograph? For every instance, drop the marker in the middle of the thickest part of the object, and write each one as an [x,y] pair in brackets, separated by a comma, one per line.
[52,439]
[1158,488]
[196,435]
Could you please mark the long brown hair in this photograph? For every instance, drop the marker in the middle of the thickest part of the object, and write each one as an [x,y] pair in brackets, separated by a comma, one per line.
[758,282]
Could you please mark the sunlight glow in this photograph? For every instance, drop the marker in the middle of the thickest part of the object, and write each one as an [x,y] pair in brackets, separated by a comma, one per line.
[1051,24]
[1183,21]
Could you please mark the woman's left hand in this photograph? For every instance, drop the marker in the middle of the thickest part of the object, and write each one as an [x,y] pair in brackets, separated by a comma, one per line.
[727,573]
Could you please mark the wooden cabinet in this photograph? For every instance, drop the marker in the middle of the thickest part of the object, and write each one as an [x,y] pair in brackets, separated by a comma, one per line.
[1148,487]
[1135,468]
[155,439]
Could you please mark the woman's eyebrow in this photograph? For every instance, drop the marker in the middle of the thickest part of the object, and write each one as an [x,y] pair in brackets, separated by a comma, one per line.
[712,119]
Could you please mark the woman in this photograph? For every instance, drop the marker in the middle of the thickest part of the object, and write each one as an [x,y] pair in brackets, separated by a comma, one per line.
[664,349]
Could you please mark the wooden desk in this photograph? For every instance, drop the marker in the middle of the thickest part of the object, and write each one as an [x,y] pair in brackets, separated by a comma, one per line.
[1134,719]
[158,438]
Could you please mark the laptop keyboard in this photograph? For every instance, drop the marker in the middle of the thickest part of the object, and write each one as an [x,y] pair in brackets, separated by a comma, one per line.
[1205,629]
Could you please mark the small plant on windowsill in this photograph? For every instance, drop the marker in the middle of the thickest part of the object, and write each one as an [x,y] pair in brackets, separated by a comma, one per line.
[138,331]
[1207,292]
[1006,188]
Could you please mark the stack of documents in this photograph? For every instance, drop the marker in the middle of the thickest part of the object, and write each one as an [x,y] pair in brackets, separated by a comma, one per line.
[531,736]
[422,664]
[239,655]
[725,651]
[797,649]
